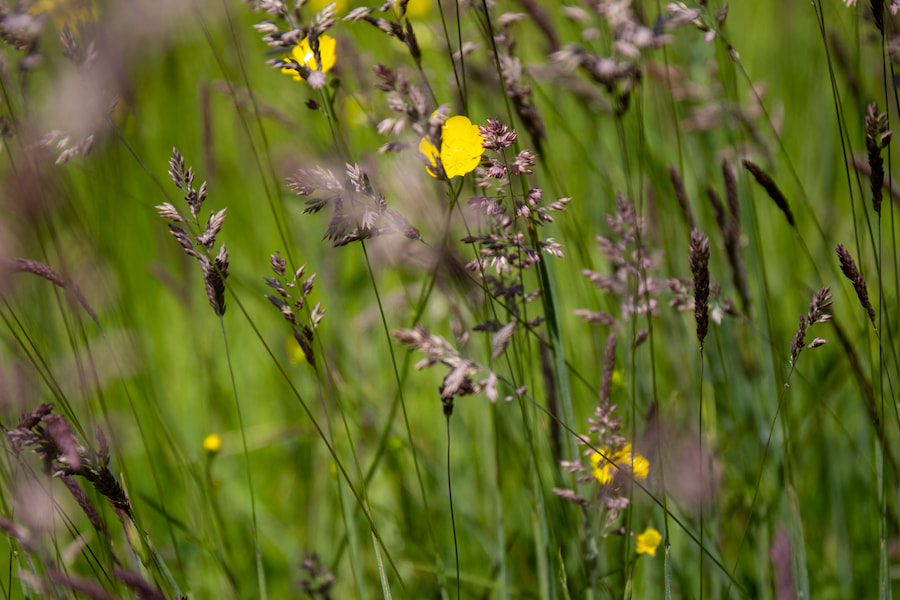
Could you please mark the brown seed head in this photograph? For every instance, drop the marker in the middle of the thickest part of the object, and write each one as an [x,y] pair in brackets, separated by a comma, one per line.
[774,193]
[609,362]
[700,269]
[877,138]
[681,196]
[851,272]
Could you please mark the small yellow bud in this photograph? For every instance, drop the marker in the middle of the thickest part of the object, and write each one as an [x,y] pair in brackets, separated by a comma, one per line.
[212,443]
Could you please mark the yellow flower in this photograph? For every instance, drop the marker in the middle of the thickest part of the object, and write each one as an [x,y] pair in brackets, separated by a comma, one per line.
[461,148]
[638,464]
[648,541]
[304,55]
[212,443]
[624,457]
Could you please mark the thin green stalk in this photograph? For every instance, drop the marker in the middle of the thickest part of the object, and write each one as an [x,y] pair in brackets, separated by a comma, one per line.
[884,575]
[450,501]
[498,506]
[460,84]
[798,545]
[320,432]
[215,508]
[351,534]
[267,187]
[260,570]
[352,537]
[701,461]
[651,338]
[667,570]
[387,334]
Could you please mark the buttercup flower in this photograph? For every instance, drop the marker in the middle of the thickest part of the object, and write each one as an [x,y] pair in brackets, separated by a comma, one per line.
[461,148]
[304,55]
[648,541]
[624,457]
[212,443]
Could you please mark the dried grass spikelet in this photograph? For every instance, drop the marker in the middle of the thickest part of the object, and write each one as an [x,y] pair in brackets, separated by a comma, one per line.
[731,194]
[718,208]
[731,234]
[291,301]
[214,274]
[143,588]
[214,268]
[84,502]
[358,210]
[774,193]
[821,300]
[459,381]
[26,265]
[681,196]
[877,139]
[632,262]
[862,165]
[699,259]
[608,367]
[851,272]
[80,585]
[878,14]
[54,441]
[316,579]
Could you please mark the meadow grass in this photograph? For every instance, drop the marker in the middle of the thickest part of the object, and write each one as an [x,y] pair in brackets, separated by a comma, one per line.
[478,299]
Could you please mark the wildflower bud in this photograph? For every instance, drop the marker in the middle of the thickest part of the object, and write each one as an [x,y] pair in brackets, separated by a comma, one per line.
[212,444]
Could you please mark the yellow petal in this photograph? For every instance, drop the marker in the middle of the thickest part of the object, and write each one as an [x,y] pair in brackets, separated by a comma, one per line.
[461,146]
[429,151]
[648,541]
[602,469]
[304,55]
